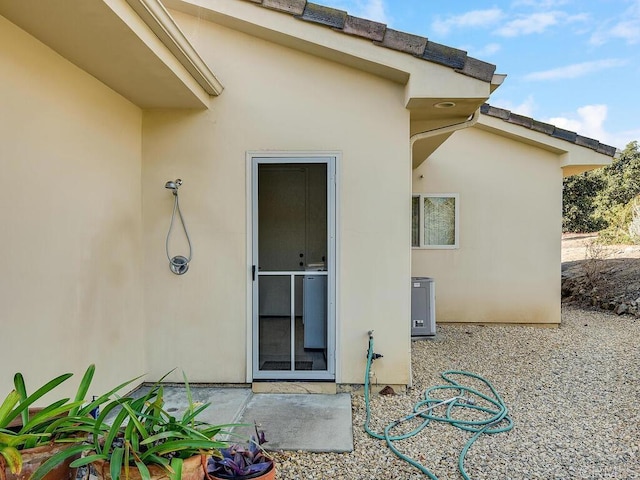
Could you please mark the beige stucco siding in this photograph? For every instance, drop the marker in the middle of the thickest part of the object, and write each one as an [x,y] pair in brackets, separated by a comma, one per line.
[281,100]
[71,220]
[507,268]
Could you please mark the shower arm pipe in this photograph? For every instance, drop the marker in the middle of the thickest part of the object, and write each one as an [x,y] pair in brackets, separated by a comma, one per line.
[469,122]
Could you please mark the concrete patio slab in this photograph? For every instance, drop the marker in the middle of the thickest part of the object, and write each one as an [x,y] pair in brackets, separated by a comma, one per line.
[312,423]
[307,422]
[226,403]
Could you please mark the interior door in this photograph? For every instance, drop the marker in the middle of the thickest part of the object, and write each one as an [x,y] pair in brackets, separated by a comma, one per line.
[293,282]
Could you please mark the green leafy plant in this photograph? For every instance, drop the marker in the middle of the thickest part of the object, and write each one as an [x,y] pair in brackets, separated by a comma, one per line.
[63,421]
[144,434]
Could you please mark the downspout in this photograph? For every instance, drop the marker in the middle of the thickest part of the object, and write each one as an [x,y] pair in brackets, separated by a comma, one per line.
[472,120]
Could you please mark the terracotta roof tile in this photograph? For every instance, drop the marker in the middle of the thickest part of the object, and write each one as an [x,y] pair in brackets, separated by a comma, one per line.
[415,45]
[364,28]
[403,42]
[548,129]
[330,17]
[295,7]
[445,55]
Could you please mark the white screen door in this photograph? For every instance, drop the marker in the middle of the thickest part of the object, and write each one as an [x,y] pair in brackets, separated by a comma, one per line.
[293,267]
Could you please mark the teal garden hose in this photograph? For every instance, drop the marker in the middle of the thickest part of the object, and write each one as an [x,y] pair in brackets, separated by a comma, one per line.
[496,419]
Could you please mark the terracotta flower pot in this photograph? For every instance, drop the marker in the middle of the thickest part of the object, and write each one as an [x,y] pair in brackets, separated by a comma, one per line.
[32,458]
[193,468]
[268,475]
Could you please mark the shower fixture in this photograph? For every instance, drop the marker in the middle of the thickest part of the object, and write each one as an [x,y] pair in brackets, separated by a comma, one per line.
[173,185]
[178,264]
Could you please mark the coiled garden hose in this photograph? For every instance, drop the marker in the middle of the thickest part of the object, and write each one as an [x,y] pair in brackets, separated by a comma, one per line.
[497,416]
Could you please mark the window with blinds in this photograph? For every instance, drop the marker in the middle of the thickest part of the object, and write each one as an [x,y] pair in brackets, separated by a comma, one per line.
[435,221]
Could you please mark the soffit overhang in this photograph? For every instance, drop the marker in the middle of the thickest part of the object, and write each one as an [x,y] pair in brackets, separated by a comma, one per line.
[132,46]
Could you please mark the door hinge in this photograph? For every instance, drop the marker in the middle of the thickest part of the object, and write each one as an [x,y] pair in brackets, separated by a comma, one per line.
[253,273]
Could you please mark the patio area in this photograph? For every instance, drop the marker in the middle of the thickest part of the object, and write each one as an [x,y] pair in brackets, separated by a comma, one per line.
[312,423]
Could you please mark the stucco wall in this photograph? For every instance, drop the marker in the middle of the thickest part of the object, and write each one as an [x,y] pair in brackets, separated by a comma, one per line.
[275,99]
[507,268]
[71,220]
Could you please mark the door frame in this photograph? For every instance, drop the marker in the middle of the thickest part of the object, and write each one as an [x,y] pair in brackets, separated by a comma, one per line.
[332,160]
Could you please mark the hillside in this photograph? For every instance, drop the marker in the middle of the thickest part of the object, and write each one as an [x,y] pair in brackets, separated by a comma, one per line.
[599,276]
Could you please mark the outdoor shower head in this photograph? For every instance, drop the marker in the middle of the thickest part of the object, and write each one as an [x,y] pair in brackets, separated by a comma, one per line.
[173,185]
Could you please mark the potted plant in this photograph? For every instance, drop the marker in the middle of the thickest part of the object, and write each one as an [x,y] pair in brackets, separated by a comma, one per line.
[243,461]
[145,442]
[40,443]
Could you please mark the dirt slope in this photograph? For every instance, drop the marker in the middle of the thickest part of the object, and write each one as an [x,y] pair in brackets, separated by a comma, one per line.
[601,276]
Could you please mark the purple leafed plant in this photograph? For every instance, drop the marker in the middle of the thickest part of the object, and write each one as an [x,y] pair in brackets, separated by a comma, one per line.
[240,461]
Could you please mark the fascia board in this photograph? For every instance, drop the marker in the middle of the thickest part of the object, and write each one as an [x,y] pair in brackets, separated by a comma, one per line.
[110,41]
[570,154]
[285,30]
[423,79]
[158,19]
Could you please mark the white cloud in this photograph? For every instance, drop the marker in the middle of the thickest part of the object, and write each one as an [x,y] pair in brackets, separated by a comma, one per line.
[579,17]
[533,23]
[625,27]
[542,4]
[526,107]
[475,18]
[370,9]
[374,10]
[576,70]
[589,121]
[486,51]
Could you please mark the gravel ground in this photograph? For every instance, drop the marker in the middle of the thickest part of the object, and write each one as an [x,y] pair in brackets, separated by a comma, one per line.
[573,394]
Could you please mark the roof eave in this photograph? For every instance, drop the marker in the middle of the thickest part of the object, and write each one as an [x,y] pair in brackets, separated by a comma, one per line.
[573,155]
[158,19]
[431,73]
[132,46]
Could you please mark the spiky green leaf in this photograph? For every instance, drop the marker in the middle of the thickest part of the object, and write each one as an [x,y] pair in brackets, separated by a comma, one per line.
[47,415]
[35,396]
[7,405]
[19,440]
[83,388]
[117,457]
[81,462]
[114,430]
[105,397]
[187,444]
[134,418]
[18,382]
[12,457]
[56,460]
[144,471]
[176,466]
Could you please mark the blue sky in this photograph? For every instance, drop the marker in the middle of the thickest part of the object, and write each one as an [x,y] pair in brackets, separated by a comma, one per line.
[572,63]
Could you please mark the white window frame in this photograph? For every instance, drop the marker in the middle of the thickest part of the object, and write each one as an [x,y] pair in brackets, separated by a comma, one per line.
[421,197]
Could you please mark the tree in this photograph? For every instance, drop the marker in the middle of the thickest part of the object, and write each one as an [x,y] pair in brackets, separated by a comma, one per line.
[603,198]
[579,193]
[622,180]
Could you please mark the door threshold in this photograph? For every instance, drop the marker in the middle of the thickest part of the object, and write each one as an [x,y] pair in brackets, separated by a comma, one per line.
[327,388]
